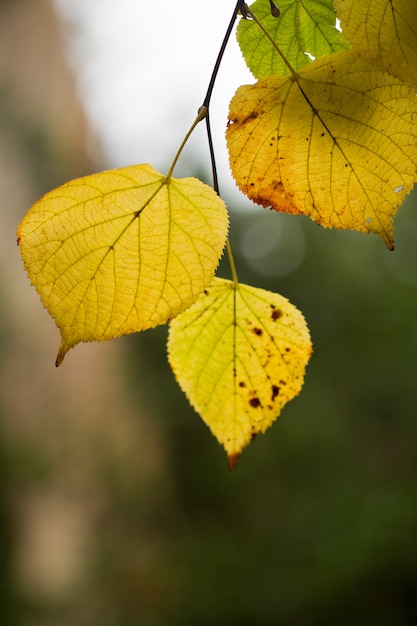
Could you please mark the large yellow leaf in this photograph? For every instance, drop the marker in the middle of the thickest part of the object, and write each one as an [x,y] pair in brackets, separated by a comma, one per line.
[336,143]
[121,251]
[384,33]
[239,353]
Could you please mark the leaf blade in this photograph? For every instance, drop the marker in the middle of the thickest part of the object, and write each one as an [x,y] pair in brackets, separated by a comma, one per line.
[304,30]
[383,33]
[239,354]
[337,145]
[121,251]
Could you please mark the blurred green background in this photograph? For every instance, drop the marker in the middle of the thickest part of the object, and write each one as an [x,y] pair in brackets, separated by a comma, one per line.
[116,504]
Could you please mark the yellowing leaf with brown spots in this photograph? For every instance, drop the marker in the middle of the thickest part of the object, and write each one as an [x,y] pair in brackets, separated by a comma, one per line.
[121,251]
[383,33]
[336,143]
[239,353]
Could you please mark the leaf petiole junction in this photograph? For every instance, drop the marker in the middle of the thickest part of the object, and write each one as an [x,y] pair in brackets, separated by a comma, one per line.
[203,113]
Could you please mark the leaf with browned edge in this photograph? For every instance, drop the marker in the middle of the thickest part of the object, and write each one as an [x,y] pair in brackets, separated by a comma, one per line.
[336,142]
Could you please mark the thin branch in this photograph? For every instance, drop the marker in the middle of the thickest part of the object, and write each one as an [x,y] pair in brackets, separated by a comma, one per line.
[240,7]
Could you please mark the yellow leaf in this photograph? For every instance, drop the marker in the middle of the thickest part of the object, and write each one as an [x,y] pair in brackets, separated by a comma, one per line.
[336,143]
[239,353]
[121,251]
[383,33]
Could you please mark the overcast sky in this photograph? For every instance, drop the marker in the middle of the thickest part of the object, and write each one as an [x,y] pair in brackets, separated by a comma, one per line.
[143,70]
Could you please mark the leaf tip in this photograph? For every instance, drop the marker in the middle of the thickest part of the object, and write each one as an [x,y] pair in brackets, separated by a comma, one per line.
[232,460]
[63,349]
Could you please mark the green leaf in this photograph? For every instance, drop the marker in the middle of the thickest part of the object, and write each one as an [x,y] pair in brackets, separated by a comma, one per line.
[121,251]
[239,353]
[304,30]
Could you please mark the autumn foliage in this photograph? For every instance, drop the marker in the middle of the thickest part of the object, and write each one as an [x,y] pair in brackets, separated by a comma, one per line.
[328,130]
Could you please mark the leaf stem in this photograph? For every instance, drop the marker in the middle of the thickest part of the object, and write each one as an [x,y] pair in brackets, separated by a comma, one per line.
[240,4]
[239,7]
[232,263]
[202,113]
[203,110]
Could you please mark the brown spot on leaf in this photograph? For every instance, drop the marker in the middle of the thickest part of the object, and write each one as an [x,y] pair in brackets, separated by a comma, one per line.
[242,384]
[257,331]
[255,402]
[252,116]
[276,314]
[275,392]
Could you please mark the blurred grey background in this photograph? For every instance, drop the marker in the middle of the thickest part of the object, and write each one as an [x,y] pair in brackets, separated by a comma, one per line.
[116,505]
